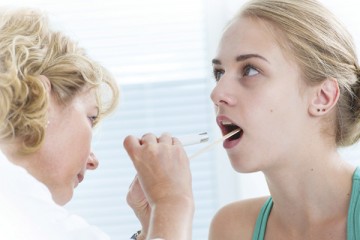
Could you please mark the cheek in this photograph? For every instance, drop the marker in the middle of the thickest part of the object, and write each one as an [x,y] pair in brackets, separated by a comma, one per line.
[84,138]
[80,140]
[282,123]
[267,115]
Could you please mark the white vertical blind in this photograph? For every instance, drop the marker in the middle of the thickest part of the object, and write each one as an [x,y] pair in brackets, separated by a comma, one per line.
[179,107]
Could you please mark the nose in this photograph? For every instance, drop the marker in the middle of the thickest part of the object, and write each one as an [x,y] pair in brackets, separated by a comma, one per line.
[92,162]
[223,94]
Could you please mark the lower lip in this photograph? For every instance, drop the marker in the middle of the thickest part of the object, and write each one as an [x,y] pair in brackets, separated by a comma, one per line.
[228,144]
[79,180]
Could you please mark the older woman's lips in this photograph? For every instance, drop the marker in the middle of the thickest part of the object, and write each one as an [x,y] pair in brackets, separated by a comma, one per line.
[80,178]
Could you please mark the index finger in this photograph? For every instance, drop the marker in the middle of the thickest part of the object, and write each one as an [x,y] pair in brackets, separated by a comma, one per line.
[131,143]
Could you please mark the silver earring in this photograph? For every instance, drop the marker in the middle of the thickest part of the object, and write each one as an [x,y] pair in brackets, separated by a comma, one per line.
[47,124]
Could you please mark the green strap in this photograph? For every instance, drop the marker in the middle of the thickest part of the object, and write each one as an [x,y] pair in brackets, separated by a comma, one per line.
[260,227]
[353,221]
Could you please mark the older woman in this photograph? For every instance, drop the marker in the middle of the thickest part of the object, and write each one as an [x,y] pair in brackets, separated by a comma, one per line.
[50,101]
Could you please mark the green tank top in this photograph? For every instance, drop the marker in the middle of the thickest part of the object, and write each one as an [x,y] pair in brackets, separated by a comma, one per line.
[353,220]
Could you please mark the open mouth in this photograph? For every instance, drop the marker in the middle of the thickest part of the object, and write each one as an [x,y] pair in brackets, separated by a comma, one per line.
[227,127]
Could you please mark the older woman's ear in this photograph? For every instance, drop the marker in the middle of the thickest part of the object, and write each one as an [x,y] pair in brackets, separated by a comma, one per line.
[46,82]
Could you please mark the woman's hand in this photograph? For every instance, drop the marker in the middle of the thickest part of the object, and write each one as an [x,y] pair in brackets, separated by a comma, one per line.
[138,202]
[163,173]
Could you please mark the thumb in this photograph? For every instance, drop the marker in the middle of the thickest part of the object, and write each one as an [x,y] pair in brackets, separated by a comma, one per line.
[136,197]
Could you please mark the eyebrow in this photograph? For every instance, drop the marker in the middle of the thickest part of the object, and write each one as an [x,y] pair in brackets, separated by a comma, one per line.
[241,58]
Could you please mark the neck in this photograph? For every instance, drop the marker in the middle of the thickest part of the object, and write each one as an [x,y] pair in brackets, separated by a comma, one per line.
[12,153]
[311,188]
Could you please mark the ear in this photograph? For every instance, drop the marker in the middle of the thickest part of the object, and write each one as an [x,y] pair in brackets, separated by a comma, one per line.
[325,97]
[46,83]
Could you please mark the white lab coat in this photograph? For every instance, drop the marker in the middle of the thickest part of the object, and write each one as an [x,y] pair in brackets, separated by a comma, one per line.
[27,211]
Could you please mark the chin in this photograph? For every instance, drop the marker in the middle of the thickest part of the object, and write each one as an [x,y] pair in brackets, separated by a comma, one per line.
[62,198]
[243,166]
[244,170]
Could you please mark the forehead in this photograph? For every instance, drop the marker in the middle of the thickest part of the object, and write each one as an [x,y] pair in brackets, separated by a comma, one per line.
[89,95]
[86,97]
[247,35]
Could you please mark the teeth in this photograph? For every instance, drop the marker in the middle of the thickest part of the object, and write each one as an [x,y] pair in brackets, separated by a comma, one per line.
[227,123]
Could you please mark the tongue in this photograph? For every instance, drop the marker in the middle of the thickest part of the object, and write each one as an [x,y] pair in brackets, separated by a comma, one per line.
[235,136]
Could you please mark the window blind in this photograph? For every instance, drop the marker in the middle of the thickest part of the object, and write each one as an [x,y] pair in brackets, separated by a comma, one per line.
[147,107]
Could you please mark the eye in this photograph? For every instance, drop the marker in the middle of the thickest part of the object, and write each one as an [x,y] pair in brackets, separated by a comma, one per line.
[218,74]
[93,120]
[250,70]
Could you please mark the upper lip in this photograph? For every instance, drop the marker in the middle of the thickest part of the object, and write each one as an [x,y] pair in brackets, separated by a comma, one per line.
[224,120]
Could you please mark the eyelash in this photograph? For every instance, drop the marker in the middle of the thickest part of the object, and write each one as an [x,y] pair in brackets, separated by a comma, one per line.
[248,67]
[93,120]
[245,69]
[216,72]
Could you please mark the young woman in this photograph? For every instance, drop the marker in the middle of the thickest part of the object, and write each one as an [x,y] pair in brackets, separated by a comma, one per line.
[288,77]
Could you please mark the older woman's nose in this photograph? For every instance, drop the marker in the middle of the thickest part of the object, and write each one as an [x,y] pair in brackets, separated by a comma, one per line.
[93,162]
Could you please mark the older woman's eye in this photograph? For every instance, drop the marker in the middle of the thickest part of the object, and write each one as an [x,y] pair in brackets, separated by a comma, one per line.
[250,70]
[92,120]
[218,74]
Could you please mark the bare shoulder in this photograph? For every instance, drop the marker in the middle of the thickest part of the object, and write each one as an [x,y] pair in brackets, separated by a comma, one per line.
[236,220]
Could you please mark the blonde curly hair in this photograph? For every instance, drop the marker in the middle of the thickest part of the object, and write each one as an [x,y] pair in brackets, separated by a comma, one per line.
[29,49]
